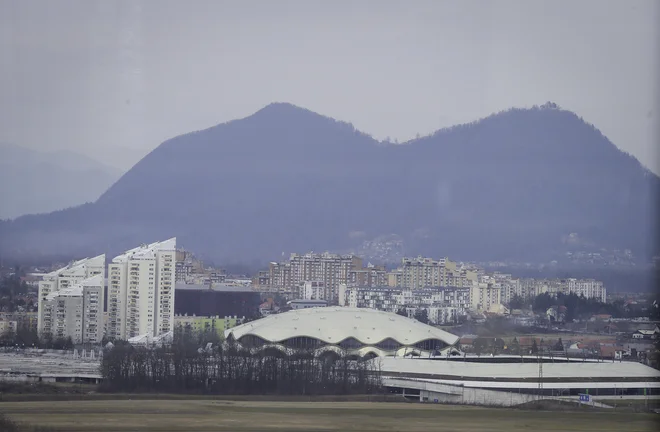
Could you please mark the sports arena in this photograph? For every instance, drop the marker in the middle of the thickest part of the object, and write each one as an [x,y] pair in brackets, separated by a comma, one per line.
[352,331]
[423,362]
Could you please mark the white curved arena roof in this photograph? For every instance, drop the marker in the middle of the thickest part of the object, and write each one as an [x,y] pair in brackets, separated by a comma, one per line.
[335,324]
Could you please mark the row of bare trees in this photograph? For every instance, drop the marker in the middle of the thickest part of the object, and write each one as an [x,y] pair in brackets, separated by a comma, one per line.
[229,369]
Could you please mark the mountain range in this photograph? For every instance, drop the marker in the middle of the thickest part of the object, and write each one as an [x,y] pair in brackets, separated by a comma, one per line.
[39,182]
[525,184]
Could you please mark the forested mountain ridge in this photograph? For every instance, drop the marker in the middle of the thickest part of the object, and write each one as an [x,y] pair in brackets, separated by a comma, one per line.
[514,185]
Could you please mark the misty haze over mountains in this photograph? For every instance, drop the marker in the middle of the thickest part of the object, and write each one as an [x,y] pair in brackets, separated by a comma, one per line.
[514,185]
[38,182]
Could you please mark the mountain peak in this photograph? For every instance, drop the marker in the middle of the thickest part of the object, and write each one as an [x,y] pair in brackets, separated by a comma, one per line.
[510,186]
[280,109]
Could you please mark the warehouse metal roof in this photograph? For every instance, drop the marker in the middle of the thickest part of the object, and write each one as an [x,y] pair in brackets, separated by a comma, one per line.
[442,369]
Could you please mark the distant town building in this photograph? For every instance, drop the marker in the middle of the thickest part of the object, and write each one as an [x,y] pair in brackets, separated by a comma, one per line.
[306,303]
[484,295]
[191,270]
[216,324]
[529,288]
[141,291]
[63,279]
[331,269]
[443,304]
[24,320]
[76,312]
[216,300]
[421,272]
[369,276]
[312,290]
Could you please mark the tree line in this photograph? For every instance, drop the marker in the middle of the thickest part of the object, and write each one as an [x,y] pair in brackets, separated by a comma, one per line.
[27,337]
[185,366]
[496,345]
[580,307]
[14,294]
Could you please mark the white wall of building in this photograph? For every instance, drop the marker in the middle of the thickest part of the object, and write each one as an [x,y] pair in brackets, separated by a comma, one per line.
[141,291]
[62,279]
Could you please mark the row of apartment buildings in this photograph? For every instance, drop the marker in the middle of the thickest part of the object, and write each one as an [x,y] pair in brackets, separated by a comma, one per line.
[528,288]
[339,278]
[140,296]
[191,270]
[333,270]
[443,305]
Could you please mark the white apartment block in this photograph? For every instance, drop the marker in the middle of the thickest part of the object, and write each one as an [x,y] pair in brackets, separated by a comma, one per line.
[444,315]
[484,295]
[141,291]
[444,305]
[331,269]
[589,288]
[530,288]
[76,311]
[312,290]
[420,272]
[62,279]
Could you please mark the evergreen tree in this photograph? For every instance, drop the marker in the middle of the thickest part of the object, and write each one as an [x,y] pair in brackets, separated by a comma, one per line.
[514,346]
[422,315]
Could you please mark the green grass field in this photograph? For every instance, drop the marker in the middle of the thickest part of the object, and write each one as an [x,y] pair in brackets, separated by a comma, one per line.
[224,415]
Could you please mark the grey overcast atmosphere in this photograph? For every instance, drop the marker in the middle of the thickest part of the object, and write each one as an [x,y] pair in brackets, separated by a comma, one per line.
[113,79]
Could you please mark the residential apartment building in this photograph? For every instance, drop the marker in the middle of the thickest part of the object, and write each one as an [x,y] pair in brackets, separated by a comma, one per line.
[444,304]
[141,291]
[510,287]
[530,288]
[369,276]
[62,279]
[191,270]
[279,276]
[331,269]
[421,272]
[24,320]
[589,288]
[311,290]
[485,295]
[444,314]
[76,311]
[262,280]
[190,324]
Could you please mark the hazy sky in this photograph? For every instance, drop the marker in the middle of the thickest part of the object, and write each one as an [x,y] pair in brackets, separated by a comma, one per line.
[114,79]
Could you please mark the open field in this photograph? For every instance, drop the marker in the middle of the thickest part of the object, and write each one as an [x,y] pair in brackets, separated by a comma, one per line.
[219,415]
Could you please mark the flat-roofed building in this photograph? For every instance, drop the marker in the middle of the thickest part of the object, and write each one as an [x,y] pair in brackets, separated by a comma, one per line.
[423,272]
[189,324]
[306,303]
[216,300]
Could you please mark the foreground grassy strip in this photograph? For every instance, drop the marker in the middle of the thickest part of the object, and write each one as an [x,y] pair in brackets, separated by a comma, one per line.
[218,415]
